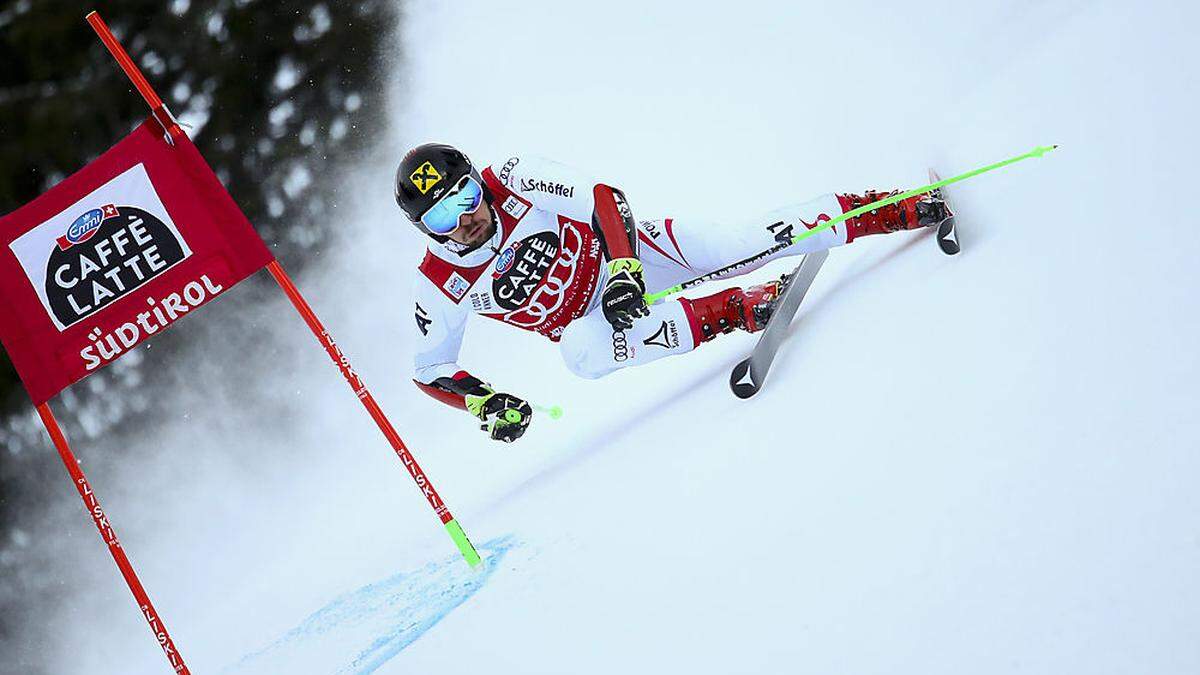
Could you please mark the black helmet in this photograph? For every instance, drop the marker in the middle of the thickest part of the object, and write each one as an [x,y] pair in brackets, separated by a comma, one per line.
[425,173]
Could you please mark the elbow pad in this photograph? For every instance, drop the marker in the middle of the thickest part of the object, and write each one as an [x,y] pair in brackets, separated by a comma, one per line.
[612,221]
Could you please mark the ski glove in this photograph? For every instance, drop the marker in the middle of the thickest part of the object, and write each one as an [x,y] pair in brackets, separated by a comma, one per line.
[624,297]
[505,417]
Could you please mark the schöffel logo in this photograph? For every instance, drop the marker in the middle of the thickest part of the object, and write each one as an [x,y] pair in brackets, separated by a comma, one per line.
[505,261]
[86,226]
[549,187]
[667,336]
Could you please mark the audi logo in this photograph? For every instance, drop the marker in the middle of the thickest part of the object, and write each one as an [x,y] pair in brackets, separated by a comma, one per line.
[620,346]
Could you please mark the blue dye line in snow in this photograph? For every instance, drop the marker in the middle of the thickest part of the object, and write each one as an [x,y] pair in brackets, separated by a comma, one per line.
[364,629]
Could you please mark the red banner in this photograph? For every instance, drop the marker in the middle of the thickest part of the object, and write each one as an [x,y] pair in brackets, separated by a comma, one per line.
[114,254]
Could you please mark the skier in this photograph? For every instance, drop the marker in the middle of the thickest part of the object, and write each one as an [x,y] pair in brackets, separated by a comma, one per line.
[537,245]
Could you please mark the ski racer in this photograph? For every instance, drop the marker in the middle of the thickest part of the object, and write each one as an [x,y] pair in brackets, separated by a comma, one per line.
[536,244]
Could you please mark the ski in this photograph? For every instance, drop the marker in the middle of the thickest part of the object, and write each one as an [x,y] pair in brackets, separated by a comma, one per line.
[947,230]
[748,376]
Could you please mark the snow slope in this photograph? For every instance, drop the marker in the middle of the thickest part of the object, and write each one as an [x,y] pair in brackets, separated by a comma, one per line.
[977,464]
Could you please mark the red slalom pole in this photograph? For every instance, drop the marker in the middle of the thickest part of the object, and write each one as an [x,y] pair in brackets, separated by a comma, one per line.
[289,288]
[360,390]
[134,73]
[109,535]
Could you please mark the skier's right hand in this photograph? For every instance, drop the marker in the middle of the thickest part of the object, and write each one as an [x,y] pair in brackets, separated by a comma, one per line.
[624,296]
[505,417]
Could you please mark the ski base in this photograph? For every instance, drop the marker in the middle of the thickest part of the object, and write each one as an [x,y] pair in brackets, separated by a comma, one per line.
[748,376]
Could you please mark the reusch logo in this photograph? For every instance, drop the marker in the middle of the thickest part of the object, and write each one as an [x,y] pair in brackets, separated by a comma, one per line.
[86,226]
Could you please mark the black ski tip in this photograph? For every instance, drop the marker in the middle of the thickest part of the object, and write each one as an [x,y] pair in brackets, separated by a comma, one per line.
[947,237]
[741,382]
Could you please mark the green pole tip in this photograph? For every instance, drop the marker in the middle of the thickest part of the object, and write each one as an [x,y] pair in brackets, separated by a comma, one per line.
[1043,149]
[553,411]
[464,545]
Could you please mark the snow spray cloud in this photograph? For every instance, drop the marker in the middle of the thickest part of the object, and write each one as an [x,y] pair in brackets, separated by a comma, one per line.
[237,499]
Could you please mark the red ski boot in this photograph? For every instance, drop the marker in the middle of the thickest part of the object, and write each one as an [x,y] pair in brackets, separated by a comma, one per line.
[926,210]
[747,308]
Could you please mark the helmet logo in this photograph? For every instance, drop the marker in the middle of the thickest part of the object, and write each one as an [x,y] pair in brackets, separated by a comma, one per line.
[425,177]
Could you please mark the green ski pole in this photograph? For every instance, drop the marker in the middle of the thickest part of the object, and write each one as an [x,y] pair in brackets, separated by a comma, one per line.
[692,283]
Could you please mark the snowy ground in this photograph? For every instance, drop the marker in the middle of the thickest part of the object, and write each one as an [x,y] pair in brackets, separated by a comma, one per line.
[978,464]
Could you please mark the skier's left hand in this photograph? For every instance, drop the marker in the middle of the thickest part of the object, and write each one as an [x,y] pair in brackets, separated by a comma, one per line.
[624,297]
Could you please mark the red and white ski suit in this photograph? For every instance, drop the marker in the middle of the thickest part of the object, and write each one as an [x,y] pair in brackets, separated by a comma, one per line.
[544,271]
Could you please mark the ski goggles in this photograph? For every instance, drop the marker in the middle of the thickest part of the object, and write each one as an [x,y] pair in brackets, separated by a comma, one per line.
[464,198]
